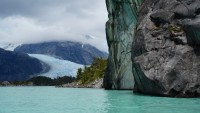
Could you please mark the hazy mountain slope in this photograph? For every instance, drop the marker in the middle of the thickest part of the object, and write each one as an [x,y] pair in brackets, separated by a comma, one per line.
[71,51]
[8,46]
[17,66]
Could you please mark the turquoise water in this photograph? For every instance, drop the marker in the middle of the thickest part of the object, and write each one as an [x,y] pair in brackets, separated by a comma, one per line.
[68,100]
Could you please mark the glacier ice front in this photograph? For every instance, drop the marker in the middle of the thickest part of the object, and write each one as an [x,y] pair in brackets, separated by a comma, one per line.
[58,67]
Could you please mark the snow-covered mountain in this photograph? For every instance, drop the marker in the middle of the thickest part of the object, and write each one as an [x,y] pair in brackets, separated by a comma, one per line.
[58,58]
[8,46]
[66,50]
[58,67]
[89,37]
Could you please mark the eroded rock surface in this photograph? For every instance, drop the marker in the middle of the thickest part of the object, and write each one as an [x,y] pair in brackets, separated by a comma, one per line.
[120,30]
[166,48]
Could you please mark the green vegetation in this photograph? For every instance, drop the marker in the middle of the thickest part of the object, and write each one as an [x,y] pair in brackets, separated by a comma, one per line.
[64,80]
[95,71]
[44,81]
[84,76]
[175,29]
[23,83]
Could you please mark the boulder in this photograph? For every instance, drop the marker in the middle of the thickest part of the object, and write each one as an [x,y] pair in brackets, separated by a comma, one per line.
[5,83]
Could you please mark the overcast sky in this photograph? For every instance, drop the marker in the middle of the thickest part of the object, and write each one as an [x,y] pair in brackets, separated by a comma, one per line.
[32,21]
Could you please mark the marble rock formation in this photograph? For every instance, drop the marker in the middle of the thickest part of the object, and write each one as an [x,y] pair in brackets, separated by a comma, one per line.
[120,29]
[155,43]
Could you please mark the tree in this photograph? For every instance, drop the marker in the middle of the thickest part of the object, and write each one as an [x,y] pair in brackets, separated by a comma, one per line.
[64,80]
[79,73]
[42,81]
[93,72]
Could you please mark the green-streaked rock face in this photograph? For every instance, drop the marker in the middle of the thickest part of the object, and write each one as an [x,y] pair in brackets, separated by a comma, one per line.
[165,46]
[120,30]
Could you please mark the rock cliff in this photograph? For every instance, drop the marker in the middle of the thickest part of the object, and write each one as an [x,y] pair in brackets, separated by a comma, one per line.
[165,48]
[120,29]
[165,53]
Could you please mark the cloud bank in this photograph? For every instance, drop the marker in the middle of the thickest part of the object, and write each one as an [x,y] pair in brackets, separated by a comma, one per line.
[32,21]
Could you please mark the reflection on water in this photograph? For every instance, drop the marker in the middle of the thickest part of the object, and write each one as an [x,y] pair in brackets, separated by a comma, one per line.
[127,102]
[68,100]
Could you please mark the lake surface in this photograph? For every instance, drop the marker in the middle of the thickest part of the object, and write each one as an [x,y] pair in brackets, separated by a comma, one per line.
[69,100]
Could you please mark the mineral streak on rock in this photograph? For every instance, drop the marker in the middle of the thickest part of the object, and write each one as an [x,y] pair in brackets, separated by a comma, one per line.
[120,30]
[166,48]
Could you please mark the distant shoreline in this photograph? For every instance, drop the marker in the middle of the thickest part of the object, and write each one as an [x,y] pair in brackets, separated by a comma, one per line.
[95,84]
[98,84]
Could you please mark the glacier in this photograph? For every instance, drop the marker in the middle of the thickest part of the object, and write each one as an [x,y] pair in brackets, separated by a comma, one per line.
[58,67]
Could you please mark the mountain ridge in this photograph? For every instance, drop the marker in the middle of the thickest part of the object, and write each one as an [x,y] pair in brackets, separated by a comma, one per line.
[16,66]
[65,50]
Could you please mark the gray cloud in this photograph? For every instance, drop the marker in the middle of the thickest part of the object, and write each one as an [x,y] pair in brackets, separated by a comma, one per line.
[31,21]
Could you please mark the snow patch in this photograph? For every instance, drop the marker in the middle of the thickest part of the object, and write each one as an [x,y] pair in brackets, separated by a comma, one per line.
[8,46]
[89,37]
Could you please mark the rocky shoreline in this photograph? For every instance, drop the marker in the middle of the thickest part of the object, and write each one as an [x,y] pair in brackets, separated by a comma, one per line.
[95,84]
